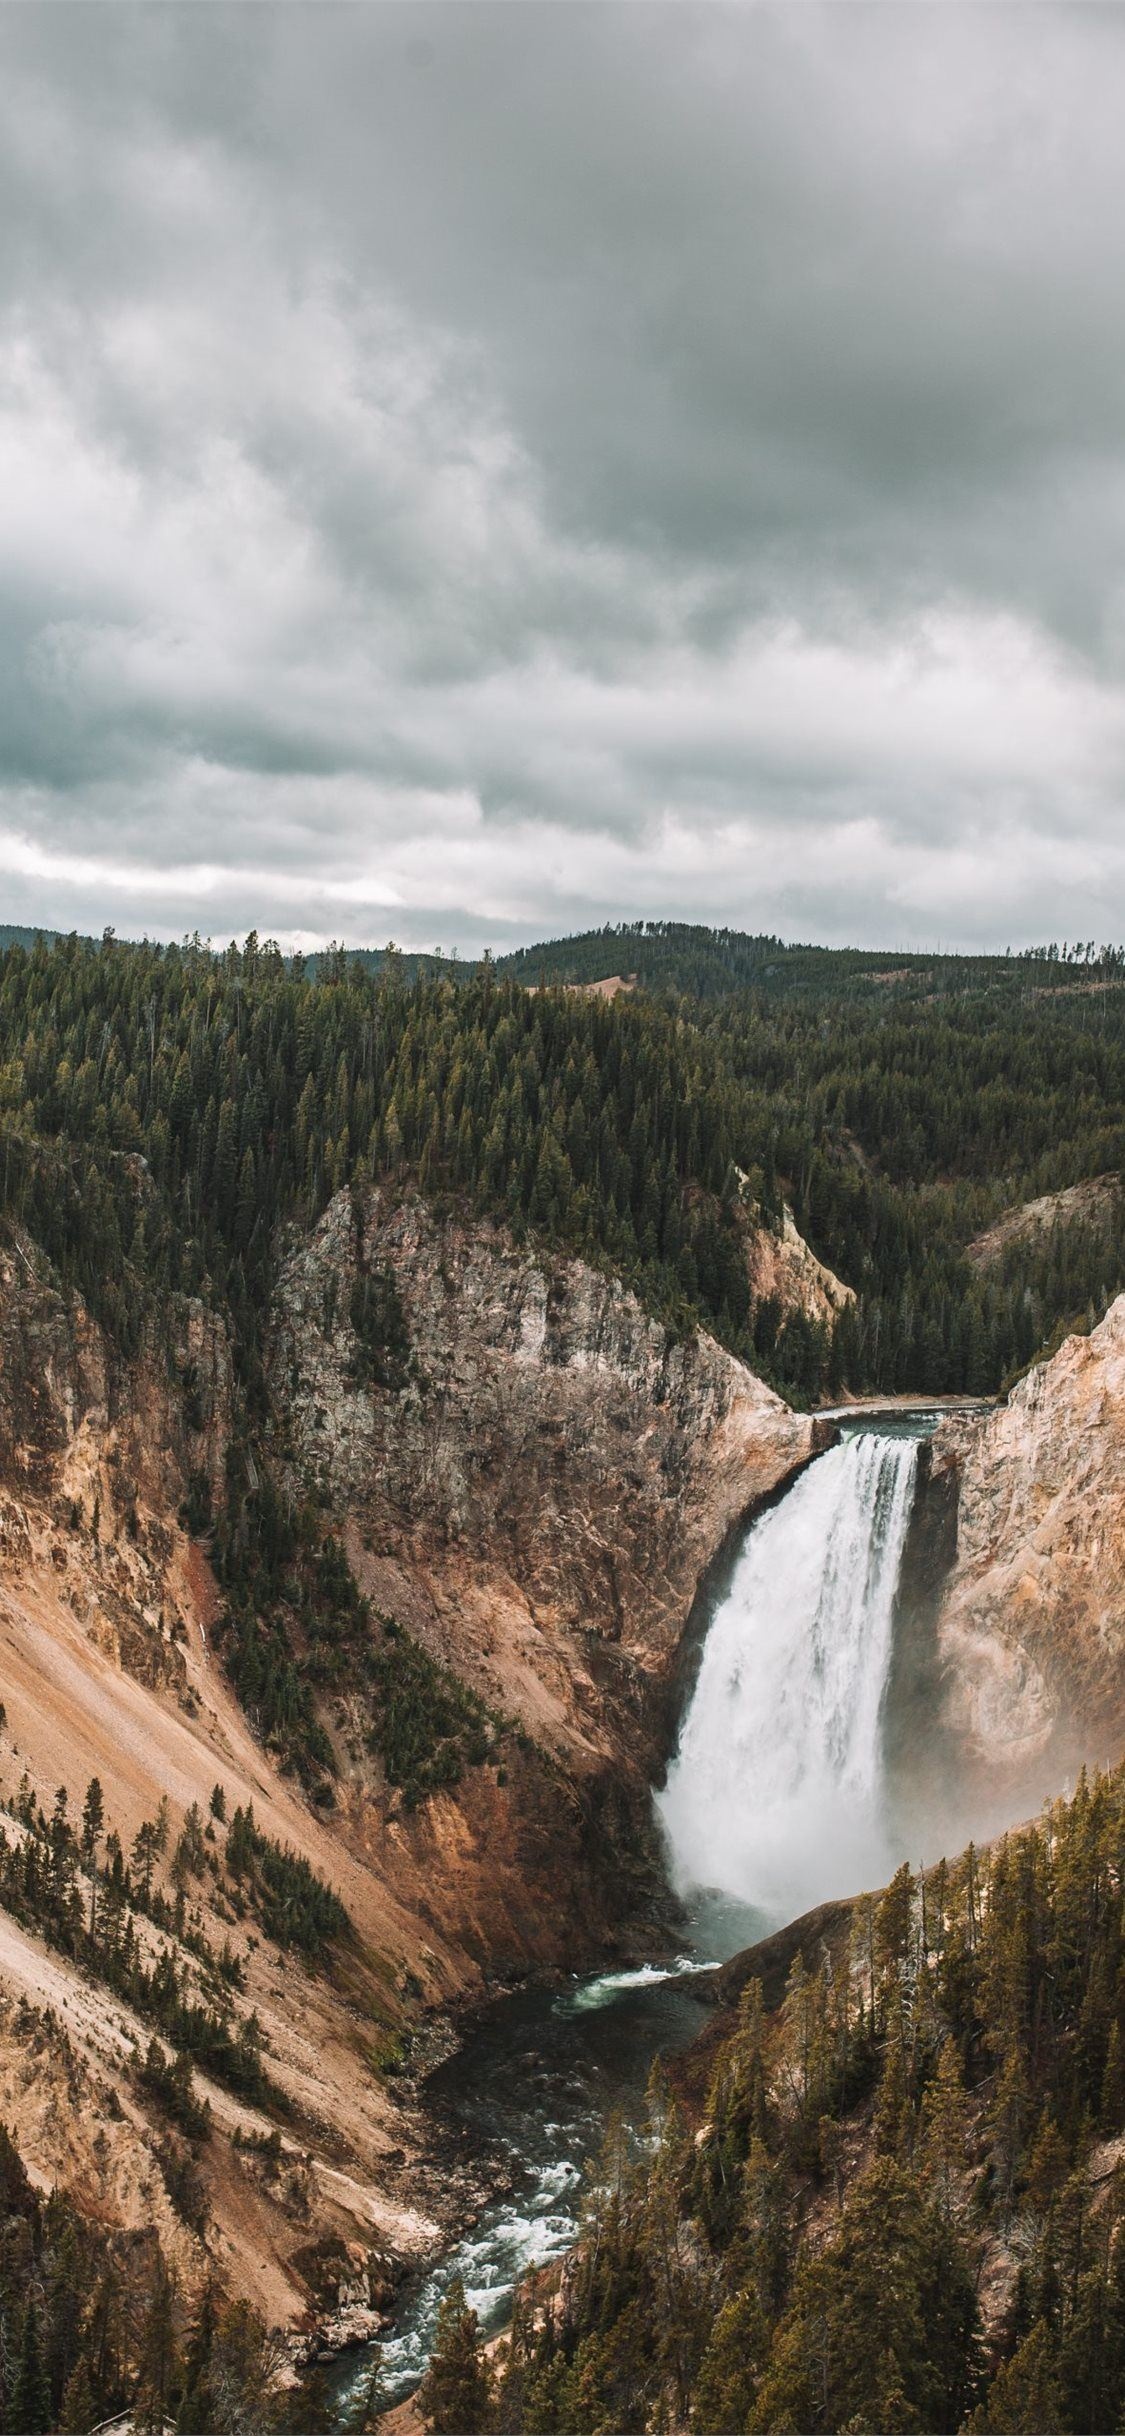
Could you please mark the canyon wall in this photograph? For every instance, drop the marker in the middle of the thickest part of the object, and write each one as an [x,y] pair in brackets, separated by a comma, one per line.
[545,1432]
[531,1485]
[784,1268]
[535,1493]
[1031,1622]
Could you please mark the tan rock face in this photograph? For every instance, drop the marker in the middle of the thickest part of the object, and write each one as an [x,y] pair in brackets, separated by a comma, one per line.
[785,1267]
[550,1435]
[536,1499]
[1032,1624]
[76,1427]
[1093,1203]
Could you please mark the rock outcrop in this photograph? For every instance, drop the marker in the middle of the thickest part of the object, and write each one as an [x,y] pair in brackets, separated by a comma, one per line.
[1031,1626]
[534,1489]
[1094,1204]
[545,1431]
[783,1268]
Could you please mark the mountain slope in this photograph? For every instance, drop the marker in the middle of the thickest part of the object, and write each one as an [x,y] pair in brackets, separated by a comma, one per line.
[900,2202]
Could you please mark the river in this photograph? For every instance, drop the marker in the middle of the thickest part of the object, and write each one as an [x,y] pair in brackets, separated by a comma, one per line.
[776,1797]
[533,2086]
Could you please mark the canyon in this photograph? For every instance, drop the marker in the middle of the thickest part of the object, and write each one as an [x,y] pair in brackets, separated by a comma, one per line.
[539,1500]
[536,1504]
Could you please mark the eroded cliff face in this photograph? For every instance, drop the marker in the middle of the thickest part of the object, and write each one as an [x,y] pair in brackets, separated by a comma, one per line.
[534,1495]
[547,1433]
[107,1671]
[786,1268]
[1031,1624]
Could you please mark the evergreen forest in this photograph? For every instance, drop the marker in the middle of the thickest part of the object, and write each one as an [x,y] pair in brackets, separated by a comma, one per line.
[901,2204]
[166,1112]
[94,2322]
[169,1117]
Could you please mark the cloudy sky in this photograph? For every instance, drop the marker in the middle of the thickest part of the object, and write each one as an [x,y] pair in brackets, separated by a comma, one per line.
[468,473]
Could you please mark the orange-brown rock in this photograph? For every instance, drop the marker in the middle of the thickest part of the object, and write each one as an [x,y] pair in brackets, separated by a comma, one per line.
[550,1438]
[536,1500]
[536,1497]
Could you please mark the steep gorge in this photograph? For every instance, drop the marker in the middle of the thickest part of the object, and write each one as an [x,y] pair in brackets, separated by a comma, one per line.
[537,1502]
[534,1500]
[533,1488]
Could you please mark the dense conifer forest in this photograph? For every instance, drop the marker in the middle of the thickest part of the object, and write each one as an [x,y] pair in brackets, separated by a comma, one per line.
[903,2207]
[95,2326]
[165,1112]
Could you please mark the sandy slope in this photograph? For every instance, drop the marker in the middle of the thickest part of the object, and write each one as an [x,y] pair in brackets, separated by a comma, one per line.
[72,1714]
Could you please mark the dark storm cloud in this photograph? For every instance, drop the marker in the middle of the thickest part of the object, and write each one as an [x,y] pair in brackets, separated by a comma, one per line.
[469,471]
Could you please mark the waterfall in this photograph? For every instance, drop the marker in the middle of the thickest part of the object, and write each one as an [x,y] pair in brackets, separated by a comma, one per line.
[774,1796]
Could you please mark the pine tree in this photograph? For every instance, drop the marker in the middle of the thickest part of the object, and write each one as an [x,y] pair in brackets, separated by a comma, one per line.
[727,2382]
[159,2356]
[79,2408]
[945,2117]
[93,1824]
[30,2411]
[197,2403]
[1024,2395]
[368,2403]
[1111,2112]
[456,2395]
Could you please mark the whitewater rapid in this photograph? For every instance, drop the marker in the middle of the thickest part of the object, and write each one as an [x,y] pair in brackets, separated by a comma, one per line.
[775,1795]
[534,2087]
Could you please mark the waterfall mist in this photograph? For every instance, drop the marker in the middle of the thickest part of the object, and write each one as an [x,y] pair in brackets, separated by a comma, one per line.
[776,1795]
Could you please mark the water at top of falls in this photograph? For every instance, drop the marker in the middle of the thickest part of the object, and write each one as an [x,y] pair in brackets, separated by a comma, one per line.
[775,1795]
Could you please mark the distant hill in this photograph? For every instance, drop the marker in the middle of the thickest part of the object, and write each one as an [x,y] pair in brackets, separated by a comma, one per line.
[373,961]
[17,934]
[370,960]
[693,960]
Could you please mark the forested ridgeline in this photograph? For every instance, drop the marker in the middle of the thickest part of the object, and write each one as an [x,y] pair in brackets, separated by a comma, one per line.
[903,2208]
[692,959]
[163,1111]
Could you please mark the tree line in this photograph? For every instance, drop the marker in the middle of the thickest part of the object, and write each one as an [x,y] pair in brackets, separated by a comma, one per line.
[164,1112]
[295,1627]
[93,2324]
[73,1883]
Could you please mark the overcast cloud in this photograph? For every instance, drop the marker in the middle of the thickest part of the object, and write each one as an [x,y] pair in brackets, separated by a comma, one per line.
[471,473]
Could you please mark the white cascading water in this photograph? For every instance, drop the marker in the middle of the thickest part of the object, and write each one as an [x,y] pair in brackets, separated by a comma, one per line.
[775,1793]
